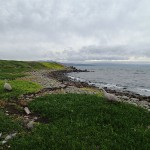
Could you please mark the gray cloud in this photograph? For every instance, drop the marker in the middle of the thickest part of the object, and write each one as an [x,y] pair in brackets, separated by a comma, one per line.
[75,30]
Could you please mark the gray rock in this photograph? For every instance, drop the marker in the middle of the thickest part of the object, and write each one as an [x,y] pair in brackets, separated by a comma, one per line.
[8,137]
[3,142]
[134,99]
[125,97]
[135,104]
[30,124]
[146,106]
[35,118]
[7,87]
[14,134]
[26,109]
[143,103]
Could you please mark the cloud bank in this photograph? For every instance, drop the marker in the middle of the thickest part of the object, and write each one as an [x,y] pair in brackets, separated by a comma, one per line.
[75,30]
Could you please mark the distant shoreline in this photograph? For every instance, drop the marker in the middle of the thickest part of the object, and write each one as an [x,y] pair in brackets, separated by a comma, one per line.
[62,75]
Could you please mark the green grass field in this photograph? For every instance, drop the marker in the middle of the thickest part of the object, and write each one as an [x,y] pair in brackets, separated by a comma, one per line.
[86,122]
[12,70]
[19,88]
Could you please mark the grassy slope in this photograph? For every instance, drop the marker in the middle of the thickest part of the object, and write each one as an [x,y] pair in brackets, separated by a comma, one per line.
[86,122]
[14,69]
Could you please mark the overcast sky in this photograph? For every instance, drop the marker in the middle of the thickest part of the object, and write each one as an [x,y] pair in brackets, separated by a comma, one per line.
[75,30]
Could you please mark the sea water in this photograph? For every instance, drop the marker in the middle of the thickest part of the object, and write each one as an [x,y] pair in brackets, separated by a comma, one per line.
[130,77]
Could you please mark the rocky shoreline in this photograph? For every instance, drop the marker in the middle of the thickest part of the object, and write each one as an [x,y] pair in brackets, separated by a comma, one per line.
[55,82]
[124,96]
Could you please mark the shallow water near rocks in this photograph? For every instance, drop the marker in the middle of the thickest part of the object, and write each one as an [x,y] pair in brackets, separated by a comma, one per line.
[128,77]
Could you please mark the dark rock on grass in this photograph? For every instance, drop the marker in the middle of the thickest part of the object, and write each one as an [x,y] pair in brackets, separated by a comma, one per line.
[74,69]
[44,120]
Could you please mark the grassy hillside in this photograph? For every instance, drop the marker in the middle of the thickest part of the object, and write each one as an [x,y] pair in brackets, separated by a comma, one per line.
[86,122]
[12,70]
[15,69]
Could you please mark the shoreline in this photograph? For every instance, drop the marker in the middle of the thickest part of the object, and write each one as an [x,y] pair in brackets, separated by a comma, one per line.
[124,96]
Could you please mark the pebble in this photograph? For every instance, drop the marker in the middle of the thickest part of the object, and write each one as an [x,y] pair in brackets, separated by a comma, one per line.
[125,97]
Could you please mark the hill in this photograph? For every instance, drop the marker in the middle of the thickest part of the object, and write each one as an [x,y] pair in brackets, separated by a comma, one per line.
[14,69]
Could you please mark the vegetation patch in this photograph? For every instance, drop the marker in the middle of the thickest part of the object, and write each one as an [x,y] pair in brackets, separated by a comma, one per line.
[86,122]
[24,66]
[53,65]
[8,125]
[11,76]
[96,91]
[16,66]
[19,88]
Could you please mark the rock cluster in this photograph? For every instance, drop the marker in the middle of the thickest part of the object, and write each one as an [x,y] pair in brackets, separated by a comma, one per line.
[41,78]
[135,101]
[8,137]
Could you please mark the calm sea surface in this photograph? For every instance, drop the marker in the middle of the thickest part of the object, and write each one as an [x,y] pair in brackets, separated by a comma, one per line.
[131,77]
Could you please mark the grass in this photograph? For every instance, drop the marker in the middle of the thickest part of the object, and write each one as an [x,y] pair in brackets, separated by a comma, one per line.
[19,88]
[86,122]
[53,65]
[8,125]
[11,76]
[15,69]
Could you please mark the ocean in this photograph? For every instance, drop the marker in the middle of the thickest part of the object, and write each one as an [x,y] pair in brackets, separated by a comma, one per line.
[128,77]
